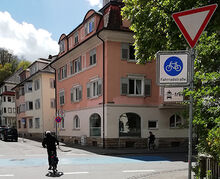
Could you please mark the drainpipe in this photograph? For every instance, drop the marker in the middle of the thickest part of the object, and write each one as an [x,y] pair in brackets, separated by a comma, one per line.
[103,89]
[55,95]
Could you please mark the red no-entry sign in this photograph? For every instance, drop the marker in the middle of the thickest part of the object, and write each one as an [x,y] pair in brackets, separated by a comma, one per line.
[58,119]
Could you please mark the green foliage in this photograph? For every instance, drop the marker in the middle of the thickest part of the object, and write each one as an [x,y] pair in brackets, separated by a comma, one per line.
[23,64]
[154,27]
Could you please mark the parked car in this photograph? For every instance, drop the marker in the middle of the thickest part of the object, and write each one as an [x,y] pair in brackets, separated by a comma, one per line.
[7,133]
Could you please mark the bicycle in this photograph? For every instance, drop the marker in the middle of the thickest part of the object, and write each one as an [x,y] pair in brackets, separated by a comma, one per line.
[54,162]
[173,65]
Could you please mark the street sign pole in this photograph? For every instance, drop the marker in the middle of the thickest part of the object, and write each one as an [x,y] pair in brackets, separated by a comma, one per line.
[192,56]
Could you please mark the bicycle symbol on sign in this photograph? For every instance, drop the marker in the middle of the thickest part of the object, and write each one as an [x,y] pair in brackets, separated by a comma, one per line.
[173,65]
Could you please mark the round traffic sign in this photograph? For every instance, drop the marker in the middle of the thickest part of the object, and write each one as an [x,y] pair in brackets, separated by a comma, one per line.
[173,66]
[58,119]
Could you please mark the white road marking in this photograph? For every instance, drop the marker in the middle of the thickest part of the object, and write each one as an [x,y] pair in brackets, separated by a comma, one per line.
[7,175]
[136,171]
[32,155]
[75,154]
[74,173]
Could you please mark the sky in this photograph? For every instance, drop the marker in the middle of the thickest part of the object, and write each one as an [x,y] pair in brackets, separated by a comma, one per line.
[30,29]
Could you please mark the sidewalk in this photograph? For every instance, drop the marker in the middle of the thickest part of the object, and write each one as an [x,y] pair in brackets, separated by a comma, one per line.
[126,151]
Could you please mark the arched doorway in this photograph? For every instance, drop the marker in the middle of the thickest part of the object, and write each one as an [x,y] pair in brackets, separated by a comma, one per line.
[129,125]
[95,125]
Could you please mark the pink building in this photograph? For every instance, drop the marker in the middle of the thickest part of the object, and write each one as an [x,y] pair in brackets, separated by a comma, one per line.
[105,98]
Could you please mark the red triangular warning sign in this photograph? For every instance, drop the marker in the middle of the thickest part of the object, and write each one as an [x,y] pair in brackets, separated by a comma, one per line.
[192,22]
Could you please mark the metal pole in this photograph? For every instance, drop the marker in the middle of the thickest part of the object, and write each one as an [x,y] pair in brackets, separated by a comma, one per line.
[192,56]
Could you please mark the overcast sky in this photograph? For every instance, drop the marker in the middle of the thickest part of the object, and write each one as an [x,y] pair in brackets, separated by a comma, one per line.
[31,28]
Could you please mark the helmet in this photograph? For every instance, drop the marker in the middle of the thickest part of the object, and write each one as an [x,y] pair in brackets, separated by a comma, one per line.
[47,132]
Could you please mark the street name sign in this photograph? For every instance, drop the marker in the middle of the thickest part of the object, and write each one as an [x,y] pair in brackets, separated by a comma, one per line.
[173,68]
[174,94]
[192,22]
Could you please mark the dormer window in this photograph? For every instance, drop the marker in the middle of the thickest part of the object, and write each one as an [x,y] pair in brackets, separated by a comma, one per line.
[62,46]
[89,26]
[76,37]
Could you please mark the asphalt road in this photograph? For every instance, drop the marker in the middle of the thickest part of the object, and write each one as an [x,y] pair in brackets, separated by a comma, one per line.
[28,160]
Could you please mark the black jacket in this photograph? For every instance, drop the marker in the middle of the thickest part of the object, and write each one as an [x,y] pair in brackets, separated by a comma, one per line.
[50,142]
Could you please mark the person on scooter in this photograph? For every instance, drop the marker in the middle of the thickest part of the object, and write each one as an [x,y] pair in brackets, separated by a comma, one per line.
[50,142]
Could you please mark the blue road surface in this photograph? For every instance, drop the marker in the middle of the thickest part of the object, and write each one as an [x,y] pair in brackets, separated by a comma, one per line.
[80,160]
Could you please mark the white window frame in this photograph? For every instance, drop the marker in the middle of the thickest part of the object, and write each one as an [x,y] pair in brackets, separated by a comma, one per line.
[28,87]
[36,84]
[76,93]
[76,38]
[37,104]
[94,88]
[89,26]
[177,124]
[153,127]
[76,122]
[62,94]
[92,57]
[37,123]
[125,52]
[62,46]
[28,105]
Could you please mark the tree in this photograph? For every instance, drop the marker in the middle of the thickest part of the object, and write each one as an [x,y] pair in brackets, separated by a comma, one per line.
[155,30]
[9,63]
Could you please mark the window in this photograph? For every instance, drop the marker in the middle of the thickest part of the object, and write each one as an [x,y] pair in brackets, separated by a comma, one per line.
[37,104]
[22,108]
[135,86]
[29,105]
[37,123]
[52,83]
[62,97]
[36,85]
[92,60]
[130,125]
[9,110]
[152,124]
[52,103]
[9,99]
[4,99]
[76,37]
[62,72]
[89,26]
[21,91]
[127,52]
[175,121]
[76,65]
[76,94]
[30,123]
[95,125]
[28,87]
[5,110]
[94,88]
[76,122]
[62,46]
[14,110]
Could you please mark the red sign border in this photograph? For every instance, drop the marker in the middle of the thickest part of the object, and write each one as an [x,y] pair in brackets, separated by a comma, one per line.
[58,119]
[192,42]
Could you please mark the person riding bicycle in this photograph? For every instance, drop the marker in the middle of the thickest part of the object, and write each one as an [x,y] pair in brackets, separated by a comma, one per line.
[50,142]
[151,140]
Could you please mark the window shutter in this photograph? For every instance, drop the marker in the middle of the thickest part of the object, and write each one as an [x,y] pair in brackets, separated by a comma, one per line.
[59,74]
[99,87]
[147,87]
[88,90]
[124,86]
[124,51]
[80,92]
[71,95]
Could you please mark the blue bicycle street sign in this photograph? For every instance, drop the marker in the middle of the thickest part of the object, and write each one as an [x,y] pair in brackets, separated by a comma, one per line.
[173,68]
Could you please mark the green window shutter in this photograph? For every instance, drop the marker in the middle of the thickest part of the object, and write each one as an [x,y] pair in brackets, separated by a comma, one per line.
[80,93]
[124,86]
[124,51]
[99,87]
[88,90]
[147,87]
